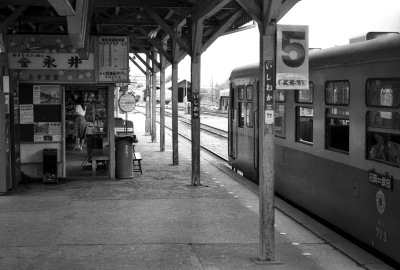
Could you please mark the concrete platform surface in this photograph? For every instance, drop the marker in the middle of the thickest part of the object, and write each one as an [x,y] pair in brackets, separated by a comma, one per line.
[158,221]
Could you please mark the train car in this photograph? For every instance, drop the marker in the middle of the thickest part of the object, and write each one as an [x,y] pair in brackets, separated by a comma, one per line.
[337,144]
[223,100]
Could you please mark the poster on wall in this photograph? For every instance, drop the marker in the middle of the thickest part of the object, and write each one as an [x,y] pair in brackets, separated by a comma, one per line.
[46,94]
[26,113]
[113,59]
[47,131]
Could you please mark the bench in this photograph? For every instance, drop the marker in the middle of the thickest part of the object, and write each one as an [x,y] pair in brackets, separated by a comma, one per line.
[101,155]
[98,155]
[136,156]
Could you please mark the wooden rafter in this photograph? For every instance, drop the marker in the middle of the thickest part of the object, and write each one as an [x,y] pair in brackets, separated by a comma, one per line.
[138,66]
[253,9]
[142,60]
[224,25]
[63,7]
[155,44]
[143,50]
[79,26]
[208,9]
[286,6]
[166,28]
[270,16]
[10,19]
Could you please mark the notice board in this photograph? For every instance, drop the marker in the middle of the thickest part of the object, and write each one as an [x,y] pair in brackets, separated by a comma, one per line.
[40,113]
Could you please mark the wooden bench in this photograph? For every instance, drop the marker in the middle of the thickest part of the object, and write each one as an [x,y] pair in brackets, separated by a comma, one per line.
[136,156]
[97,156]
[101,155]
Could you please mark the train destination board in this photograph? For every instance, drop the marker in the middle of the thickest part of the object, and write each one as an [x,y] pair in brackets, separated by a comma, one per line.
[292,57]
[113,59]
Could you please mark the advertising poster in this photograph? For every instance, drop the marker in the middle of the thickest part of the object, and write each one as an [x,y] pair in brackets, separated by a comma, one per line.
[47,132]
[46,94]
[26,113]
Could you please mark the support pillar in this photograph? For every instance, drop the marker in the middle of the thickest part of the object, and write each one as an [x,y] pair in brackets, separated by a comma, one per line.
[175,55]
[270,12]
[196,28]
[162,96]
[148,99]
[154,102]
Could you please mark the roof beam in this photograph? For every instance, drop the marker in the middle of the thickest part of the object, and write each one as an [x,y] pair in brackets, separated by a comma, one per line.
[253,9]
[286,6]
[79,27]
[10,19]
[155,44]
[270,16]
[112,21]
[138,66]
[224,25]
[141,60]
[63,7]
[143,50]
[208,9]
[166,28]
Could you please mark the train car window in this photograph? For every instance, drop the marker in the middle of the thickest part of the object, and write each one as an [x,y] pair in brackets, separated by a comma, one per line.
[280,120]
[241,114]
[249,92]
[305,96]
[304,125]
[280,95]
[241,92]
[383,137]
[249,114]
[383,92]
[337,93]
[337,129]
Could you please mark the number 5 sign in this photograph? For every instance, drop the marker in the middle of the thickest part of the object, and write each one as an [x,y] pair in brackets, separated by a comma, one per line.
[292,57]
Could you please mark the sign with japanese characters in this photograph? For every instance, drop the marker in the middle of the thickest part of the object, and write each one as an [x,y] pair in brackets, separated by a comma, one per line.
[196,108]
[269,92]
[47,131]
[113,59]
[26,113]
[292,57]
[380,180]
[127,103]
[39,58]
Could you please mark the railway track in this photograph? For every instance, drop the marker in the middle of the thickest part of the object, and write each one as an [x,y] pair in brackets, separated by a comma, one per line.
[213,140]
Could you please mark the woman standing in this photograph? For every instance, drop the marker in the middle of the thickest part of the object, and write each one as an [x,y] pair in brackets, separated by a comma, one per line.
[80,124]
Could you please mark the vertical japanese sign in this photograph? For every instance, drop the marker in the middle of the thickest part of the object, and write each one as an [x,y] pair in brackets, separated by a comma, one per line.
[47,59]
[195,105]
[292,57]
[269,92]
[113,59]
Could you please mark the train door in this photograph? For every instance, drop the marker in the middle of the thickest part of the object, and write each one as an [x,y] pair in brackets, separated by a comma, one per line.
[256,127]
[232,125]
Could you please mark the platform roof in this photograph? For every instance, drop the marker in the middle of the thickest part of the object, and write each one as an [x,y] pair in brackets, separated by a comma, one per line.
[146,22]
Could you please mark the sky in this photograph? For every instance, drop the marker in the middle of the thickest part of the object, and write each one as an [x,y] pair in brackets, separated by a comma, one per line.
[331,23]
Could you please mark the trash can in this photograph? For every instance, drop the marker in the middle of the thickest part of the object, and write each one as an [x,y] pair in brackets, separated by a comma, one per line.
[123,156]
[50,165]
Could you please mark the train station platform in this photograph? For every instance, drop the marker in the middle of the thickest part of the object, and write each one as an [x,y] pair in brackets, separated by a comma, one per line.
[158,221]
